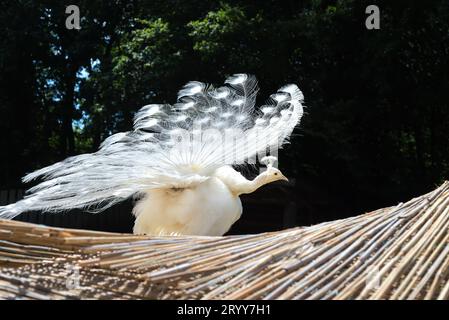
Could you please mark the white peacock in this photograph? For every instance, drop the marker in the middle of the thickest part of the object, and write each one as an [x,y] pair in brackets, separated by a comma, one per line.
[178,160]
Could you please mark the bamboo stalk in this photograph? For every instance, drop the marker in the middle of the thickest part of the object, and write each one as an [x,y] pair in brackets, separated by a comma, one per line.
[407,244]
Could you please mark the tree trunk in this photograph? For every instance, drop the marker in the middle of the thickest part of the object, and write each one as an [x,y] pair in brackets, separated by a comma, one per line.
[68,136]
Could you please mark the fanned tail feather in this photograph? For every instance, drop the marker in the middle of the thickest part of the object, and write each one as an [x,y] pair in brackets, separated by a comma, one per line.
[169,147]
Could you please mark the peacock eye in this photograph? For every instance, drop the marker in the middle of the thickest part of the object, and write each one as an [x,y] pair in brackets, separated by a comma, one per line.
[275,173]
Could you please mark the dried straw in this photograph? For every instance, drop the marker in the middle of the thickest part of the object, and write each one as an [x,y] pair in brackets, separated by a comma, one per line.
[399,252]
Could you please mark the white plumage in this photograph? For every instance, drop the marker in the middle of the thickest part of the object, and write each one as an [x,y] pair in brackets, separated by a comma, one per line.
[178,159]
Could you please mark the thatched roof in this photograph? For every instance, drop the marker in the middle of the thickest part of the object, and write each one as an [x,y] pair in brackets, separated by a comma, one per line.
[399,252]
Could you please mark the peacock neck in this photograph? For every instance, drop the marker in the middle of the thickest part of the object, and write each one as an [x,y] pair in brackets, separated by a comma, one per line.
[237,183]
[250,186]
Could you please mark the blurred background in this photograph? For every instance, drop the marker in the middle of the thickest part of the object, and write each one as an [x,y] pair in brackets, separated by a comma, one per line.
[376,130]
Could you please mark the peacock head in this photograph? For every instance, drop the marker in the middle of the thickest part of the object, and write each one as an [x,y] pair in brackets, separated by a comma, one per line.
[272,173]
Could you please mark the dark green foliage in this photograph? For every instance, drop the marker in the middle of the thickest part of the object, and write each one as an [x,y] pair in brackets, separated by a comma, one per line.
[377,123]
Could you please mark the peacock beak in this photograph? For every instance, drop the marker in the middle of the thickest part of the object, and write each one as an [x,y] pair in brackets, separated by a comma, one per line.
[284,178]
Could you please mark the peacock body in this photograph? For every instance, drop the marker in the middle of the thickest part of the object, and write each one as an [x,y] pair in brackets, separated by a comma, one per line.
[178,160]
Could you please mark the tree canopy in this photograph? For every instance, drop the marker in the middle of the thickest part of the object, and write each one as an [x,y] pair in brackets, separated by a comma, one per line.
[377,124]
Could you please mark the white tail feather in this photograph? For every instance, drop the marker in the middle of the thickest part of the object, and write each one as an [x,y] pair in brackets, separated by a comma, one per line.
[170,147]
